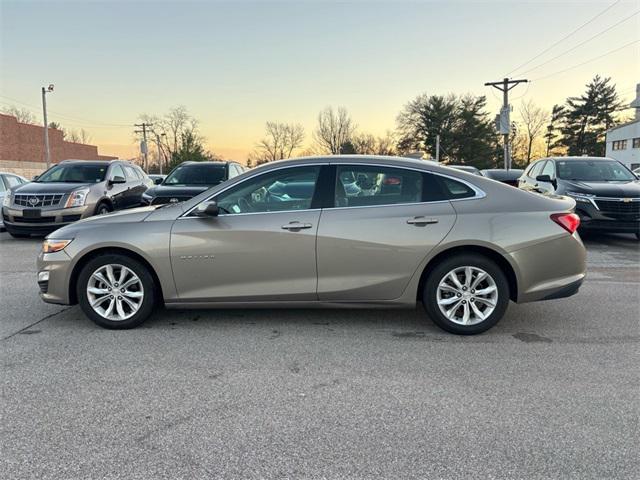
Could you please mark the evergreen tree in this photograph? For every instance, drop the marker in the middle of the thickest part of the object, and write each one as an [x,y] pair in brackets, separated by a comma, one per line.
[588,117]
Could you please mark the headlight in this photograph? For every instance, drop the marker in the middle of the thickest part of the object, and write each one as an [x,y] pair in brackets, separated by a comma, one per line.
[6,201]
[77,198]
[52,245]
[581,197]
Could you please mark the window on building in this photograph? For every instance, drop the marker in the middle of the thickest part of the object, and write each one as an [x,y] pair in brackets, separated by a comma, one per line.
[620,145]
[635,143]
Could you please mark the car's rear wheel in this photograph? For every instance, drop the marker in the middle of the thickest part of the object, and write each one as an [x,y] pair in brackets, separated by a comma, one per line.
[116,291]
[466,294]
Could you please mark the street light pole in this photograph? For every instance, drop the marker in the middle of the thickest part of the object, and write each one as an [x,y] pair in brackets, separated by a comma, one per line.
[160,154]
[47,153]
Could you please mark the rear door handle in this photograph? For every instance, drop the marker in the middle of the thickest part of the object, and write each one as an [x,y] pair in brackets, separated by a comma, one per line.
[422,221]
[296,226]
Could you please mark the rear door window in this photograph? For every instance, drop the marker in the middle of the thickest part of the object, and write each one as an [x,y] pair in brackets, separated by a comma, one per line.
[364,185]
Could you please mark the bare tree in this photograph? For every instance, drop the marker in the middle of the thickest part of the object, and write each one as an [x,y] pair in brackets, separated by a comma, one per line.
[22,114]
[280,142]
[534,120]
[84,136]
[367,144]
[335,128]
[169,131]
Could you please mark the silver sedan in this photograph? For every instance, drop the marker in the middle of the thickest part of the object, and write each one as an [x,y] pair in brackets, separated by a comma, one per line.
[343,231]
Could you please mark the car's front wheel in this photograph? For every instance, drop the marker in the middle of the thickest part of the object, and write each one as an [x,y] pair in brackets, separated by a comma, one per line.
[116,291]
[466,294]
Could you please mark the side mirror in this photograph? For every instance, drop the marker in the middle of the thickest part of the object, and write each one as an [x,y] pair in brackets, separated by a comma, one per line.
[117,179]
[544,178]
[35,177]
[208,209]
[158,181]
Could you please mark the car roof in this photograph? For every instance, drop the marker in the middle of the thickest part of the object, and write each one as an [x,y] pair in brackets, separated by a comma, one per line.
[574,158]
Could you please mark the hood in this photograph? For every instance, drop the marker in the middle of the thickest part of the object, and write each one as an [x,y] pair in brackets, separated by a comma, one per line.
[183,191]
[604,189]
[133,215]
[53,187]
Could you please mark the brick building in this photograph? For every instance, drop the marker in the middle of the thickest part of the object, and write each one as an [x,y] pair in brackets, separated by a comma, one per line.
[22,148]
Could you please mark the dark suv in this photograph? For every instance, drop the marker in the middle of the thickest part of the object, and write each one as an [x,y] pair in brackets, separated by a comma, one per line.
[190,179]
[607,194]
[71,190]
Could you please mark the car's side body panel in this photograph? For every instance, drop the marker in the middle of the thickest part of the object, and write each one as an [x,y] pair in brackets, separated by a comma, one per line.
[371,253]
[246,256]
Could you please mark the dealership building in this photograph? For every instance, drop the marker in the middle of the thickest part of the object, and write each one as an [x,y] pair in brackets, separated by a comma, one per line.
[623,141]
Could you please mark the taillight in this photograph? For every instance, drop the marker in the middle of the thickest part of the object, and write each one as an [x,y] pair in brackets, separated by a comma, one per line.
[569,221]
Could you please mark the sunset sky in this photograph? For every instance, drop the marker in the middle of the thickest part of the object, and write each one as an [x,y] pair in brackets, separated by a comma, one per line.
[235,65]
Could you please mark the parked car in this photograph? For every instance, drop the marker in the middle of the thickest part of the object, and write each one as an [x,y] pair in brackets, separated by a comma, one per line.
[510,177]
[607,194]
[240,244]
[7,181]
[190,179]
[70,191]
[156,178]
[466,168]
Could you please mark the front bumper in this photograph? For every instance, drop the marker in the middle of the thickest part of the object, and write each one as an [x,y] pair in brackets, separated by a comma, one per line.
[56,288]
[49,220]
[621,218]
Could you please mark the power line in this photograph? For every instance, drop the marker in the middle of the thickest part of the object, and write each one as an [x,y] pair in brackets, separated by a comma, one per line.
[64,115]
[564,38]
[585,62]
[582,43]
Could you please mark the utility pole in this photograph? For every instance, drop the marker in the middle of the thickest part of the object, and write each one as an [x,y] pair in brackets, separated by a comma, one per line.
[438,148]
[505,125]
[160,154]
[47,153]
[143,146]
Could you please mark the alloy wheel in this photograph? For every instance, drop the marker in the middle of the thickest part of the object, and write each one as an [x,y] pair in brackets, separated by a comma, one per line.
[115,292]
[467,295]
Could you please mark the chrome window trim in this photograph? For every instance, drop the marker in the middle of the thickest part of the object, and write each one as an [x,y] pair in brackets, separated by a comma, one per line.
[479,193]
[253,213]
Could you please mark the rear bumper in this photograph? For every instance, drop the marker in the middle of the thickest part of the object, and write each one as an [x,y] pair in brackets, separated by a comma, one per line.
[552,269]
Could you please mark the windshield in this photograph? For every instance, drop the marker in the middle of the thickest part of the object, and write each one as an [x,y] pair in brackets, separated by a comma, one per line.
[71,173]
[594,171]
[196,175]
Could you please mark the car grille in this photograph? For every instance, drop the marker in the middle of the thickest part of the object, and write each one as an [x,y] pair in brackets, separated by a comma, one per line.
[34,220]
[43,199]
[613,225]
[618,208]
[162,200]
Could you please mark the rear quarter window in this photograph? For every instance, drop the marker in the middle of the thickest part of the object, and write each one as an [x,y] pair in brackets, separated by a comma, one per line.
[454,189]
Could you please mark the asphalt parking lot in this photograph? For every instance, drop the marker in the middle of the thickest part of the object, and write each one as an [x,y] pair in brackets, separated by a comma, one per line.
[551,392]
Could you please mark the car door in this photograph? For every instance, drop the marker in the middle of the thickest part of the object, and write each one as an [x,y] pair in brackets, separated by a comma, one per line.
[118,192]
[136,186]
[261,247]
[546,188]
[384,222]
[528,180]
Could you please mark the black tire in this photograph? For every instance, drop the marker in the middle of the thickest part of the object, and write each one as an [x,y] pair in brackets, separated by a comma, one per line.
[103,208]
[148,302]
[436,274]
[19,235]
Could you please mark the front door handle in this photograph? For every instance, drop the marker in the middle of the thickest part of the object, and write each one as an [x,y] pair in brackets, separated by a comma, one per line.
[422,221]
[296,226]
